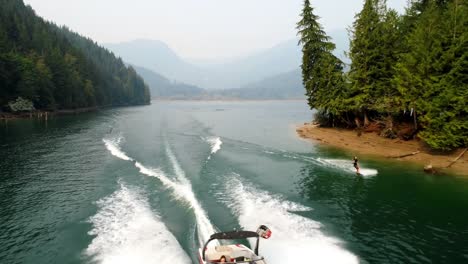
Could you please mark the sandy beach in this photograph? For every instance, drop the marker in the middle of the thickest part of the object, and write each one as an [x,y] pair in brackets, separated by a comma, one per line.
[373,144]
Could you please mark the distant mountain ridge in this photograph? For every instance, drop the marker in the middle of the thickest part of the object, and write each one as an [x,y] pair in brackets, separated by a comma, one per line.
[281,58]
[156,56]
[282,86]
[161,87]
[273,73]
[232,73]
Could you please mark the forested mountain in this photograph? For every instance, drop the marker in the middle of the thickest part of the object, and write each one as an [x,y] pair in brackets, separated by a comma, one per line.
[161,87]
[282,86]
[58,69]
[408,74]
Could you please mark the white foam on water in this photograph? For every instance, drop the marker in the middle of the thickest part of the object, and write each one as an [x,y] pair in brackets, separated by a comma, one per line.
[182,188]
[215,144]
[127,231]
[168,183]
[113,146]
[179,172]
[204,227]
[184,193]
[295,239]
[347,165]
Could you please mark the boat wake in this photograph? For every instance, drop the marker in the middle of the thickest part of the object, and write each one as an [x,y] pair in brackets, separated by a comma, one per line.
[341,164]
[127,231]
[295,239]
[347,165]
[215,143]
[204,227]
[112,146]
[181,186]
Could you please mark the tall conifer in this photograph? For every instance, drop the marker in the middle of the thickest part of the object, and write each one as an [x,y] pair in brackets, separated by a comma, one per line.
[321,70]
[373,51]
[432,75]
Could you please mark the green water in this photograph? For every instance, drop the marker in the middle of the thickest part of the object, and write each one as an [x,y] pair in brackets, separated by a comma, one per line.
[147,184]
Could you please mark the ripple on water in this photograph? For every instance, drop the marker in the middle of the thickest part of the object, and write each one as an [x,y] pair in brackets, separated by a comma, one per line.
[45,185]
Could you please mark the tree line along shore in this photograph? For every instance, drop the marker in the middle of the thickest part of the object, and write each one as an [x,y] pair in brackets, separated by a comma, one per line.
[370,144]
[408,76]
[45,67]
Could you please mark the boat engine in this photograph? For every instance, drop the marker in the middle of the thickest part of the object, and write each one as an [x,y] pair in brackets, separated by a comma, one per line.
[264,232]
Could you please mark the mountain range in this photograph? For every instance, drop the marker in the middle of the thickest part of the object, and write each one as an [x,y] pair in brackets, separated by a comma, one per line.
[161,87]
[160,65]
[282,86]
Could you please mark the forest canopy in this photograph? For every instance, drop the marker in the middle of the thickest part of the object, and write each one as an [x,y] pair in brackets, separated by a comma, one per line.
[55,68]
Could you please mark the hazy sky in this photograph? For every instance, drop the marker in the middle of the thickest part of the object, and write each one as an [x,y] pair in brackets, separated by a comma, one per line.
[197,28]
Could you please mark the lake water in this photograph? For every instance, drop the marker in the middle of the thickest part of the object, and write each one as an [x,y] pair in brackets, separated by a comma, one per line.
[149,184]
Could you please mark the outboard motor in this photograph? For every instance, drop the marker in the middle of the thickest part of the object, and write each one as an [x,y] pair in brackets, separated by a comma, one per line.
[264,232]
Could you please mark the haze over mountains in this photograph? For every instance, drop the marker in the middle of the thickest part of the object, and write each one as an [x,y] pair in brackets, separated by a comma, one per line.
[281,86]
[158,57]
[161,87]
[158,63]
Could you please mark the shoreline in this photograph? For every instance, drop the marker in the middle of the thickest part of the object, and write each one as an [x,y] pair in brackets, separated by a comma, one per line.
[63,112]
[411,151]
[46,114]
[162,99]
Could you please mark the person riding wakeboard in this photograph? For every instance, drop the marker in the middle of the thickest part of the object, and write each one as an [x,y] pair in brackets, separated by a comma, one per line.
[356,165]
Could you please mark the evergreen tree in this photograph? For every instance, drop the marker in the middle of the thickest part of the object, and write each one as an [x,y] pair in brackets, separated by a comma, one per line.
[374,51]
[432,75]
[321,70]
[416,63]
[59,69]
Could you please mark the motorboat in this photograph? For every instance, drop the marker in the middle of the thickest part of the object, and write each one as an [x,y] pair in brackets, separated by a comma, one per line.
[234,253]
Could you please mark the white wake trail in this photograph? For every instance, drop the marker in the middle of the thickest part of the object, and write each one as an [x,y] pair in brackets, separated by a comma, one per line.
[340,164]
[182,188]
[347,165]
[127,231]
[295,239]
[113,146]
[204,227]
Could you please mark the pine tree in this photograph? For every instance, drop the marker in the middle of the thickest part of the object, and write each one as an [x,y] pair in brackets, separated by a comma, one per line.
[321,70]
[374,51]
[445,112]
[432,74]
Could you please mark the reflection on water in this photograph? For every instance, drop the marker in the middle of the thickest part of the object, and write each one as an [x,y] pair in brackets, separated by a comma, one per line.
[68,195]
[393,218]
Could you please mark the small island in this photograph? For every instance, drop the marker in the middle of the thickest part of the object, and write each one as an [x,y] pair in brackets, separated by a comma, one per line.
[403,95]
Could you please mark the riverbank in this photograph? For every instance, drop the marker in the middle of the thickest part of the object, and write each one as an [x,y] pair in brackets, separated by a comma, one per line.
[46,114]
[396,149]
